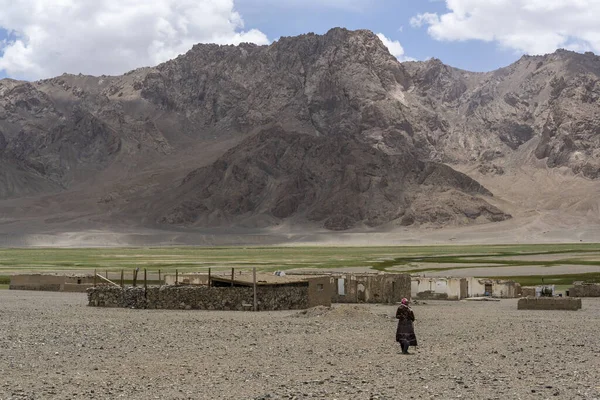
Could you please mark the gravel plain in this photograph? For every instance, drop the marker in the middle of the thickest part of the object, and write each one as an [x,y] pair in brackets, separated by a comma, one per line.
[53,346]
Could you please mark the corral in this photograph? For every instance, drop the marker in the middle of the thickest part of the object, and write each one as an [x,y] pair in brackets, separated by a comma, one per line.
[220,293]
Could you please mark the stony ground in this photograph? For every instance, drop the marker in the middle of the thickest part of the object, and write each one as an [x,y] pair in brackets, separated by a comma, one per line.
[53,346]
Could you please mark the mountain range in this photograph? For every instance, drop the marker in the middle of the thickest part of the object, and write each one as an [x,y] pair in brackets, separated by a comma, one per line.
[311,134]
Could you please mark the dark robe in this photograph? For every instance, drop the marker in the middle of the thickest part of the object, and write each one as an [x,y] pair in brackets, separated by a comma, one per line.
[405,331]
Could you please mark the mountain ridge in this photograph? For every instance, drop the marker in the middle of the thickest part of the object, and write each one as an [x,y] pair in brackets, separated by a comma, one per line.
[130,140]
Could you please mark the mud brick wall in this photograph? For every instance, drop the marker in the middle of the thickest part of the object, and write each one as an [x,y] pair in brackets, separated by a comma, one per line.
[381,288]
[585,290]
[50,283]
[549,303]
[200,297]
[527,291]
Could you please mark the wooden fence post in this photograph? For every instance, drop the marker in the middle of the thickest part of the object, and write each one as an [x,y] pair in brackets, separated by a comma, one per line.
[254,288]
[135,273]
[232,276]
[159,279]
[122,279]
[95,278]
[176,277]
[209,284]
[145,282]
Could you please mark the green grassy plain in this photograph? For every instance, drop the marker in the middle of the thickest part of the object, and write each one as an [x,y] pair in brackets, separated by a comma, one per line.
[186,259]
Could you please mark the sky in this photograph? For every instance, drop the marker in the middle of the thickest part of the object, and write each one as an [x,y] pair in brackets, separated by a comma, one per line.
[45,38]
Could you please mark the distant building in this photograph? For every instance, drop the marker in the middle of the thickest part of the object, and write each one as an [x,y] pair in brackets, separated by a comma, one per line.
[461,288]
[51,282]
[582,289]
[382,288]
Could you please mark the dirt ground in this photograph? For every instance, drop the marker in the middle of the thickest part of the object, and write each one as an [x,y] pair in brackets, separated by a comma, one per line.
[53,346]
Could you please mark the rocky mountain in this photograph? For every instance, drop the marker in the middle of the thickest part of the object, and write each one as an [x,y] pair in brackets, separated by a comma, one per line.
[318,130]
[338,183]
[551,99]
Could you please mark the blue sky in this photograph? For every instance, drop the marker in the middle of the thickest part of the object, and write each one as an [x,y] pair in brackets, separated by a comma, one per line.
[44,38]
[390,17]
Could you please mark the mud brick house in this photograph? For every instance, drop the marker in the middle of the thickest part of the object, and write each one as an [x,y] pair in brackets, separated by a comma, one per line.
[439,288]
[51,282]
[383,288]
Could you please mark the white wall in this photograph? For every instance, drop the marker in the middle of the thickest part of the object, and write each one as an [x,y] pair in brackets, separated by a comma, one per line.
[448,286]
[476,288]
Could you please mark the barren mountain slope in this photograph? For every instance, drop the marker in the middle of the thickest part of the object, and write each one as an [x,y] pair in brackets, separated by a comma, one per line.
[475,117]
[302,131]
[338,182]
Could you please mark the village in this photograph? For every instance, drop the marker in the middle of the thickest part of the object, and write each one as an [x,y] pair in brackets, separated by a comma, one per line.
[245,290]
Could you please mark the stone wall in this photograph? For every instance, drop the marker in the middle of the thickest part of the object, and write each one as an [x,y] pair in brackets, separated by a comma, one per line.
[200,297]
[585,290]
[549,303]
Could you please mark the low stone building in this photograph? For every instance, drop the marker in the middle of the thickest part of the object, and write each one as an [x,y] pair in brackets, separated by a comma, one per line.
[51,282]
[582,289]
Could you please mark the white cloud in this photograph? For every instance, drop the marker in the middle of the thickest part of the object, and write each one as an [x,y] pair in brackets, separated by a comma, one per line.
[111,36]
[347,5]
[394,47]
[530,26]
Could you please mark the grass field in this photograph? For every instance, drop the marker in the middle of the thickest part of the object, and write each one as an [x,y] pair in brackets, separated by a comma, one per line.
[411,259]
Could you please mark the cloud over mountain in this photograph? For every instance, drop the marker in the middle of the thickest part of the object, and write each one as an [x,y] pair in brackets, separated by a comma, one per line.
[49,37]
[530,26]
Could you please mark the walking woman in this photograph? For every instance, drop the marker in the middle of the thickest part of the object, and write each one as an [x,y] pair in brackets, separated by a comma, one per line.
[405,334]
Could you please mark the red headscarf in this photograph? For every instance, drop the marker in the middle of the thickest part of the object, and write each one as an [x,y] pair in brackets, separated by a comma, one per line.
[404,301]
